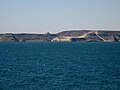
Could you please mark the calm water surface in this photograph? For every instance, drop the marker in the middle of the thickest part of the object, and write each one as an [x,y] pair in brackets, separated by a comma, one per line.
[60,66]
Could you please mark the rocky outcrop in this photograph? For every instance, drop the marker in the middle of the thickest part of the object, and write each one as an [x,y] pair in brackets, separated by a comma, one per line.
[90,36]
[9,37]
[115,39]
[65,36]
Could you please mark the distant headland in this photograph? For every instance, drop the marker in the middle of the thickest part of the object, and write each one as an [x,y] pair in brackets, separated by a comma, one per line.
[65,36]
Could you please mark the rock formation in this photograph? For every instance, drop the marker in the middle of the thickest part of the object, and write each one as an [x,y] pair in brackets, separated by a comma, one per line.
[65,36]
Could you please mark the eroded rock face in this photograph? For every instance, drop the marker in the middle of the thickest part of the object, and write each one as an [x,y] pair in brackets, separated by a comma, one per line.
[35,37]
[9,37]
[90,36]
[76,36]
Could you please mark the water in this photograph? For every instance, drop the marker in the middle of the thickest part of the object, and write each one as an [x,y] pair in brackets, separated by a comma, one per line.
[60,66]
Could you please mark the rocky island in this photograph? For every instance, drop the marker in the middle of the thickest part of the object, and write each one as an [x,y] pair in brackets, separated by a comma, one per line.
[65,36]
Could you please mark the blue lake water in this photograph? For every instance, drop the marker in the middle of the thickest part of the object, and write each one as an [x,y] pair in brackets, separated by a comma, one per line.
[60,66]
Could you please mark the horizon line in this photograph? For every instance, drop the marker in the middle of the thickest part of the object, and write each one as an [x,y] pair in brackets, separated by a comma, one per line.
[61,31]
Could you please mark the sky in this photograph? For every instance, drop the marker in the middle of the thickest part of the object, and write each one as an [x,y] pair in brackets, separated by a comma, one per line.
[41,16]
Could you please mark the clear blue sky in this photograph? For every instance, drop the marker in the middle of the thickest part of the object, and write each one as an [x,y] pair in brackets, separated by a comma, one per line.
[53,16]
